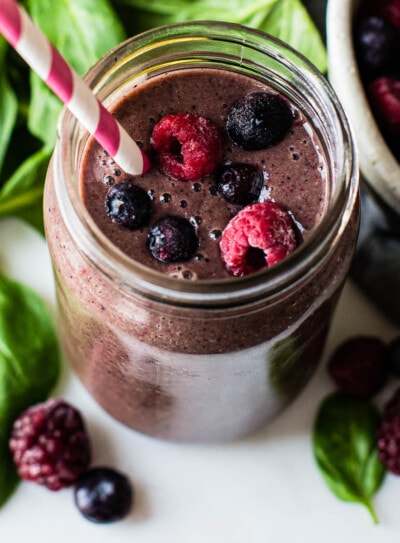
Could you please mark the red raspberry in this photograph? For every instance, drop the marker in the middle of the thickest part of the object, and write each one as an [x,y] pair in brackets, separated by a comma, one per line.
[49,444]
[188,146]
[259,236]
[358,366]
[384,95]
[388,436]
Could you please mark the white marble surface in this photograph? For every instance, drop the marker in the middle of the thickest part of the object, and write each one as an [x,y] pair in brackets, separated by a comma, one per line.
[262,489]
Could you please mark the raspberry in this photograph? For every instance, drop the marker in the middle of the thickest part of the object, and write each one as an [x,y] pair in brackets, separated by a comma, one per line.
[103,495]
[384,95]
[358,366]
[259,236]
[49,444]
[240,183]
[128,205]
[259,120]
[173,239]
[188,147]
[388,435]
[377,43]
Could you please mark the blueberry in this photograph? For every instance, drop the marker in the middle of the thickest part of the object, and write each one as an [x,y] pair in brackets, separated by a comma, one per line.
[173,239]
[103,495]
[128,205]
[240,183]
[376,43]
[259,120]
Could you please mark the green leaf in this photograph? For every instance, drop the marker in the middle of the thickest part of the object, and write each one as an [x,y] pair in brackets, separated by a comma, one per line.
[287,20]
[22,194]
[29,364]
[8,104]
[344,442]
[82,30]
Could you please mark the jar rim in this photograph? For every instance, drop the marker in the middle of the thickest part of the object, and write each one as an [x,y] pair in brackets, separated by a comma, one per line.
[134,276]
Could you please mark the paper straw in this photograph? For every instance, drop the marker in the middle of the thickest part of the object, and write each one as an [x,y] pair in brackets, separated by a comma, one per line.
[46,61]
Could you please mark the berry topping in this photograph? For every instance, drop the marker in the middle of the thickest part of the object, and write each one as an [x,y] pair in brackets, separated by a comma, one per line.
[49,444]
[358,366]
[128,205]
[103,495]
[259,236]
[388,437]
[240,183]
[377,43]
[384,95]
[188,147]
[259,120]
[173,239]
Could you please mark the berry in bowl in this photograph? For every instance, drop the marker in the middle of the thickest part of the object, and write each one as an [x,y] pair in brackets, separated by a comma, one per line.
[364,67]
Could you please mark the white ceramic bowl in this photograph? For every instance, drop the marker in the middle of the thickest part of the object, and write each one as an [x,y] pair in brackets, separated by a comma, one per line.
[378,166]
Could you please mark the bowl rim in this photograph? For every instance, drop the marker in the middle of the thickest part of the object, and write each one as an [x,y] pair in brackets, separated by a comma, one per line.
[378,166]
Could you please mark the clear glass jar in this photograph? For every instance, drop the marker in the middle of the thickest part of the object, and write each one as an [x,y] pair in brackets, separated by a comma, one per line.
[199,360]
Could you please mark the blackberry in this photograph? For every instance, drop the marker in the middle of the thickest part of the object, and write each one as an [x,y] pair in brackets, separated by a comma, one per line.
[103,495]
[128,205]
[358,366]
[49,444]
[388,435]
[240,183]
[173,239]
[376,44]
[259,120]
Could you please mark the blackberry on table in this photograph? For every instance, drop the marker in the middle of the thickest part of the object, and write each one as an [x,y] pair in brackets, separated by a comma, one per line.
[388,436]
[49,444]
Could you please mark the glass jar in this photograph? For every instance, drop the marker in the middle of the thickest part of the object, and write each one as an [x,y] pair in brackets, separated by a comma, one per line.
[205,360]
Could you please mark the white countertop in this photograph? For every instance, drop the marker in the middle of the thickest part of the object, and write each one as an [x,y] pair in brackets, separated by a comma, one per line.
[263,489]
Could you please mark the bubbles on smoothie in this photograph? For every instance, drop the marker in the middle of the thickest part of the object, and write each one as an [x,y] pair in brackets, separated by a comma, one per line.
[215,234]
[196,220]
[183,203]
[150,193]
[165,198]
[108,180]
[197,187]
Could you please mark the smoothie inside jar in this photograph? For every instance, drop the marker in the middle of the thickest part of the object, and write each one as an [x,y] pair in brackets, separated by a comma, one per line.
[294,171]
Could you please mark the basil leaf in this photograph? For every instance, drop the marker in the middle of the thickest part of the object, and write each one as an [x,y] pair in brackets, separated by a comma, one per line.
[29,364]
[82,30]
[22,194]
[287,20]
[8,104]
[344,443]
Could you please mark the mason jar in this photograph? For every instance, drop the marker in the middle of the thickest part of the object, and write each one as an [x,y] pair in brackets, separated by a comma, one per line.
[205,360]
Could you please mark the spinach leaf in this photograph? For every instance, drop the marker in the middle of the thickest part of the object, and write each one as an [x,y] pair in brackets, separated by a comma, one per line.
[29,364]
[287,20]
[22,194]
[82,30]
[344,442]
[8,104]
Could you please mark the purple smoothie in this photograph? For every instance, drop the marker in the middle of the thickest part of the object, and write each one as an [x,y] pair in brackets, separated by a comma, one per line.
[294,170]
[215,357]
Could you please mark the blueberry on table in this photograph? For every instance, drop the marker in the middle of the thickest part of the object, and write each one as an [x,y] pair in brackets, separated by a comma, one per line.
[173,239]
[128,205]
[240,183]
[104,495]
[259,120]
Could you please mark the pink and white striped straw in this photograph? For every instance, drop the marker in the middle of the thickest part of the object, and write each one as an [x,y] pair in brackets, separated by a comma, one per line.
[46,61]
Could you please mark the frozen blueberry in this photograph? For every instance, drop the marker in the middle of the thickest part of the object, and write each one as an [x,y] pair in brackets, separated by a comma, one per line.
[259,120]
[173,239]
[376,44]
[128,205]
[240,183]
[103,495]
